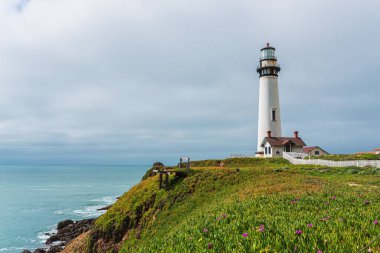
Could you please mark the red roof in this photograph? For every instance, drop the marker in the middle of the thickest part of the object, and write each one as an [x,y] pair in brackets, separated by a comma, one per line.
[376,149]
[309,149]
[281,141]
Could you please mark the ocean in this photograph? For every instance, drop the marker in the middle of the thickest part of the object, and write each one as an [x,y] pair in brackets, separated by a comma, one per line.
[33,199]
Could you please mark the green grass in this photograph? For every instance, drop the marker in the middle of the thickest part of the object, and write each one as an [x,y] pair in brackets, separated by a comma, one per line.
[347,157]
[271,193]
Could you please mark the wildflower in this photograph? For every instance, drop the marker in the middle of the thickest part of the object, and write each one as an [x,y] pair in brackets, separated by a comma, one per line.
[245,234]
[294,201]
[370,250]
[319,251]
[298,232]
[376,222]
[261,228]
[366,202]
[333,197]
[209,245]
[310,225]
[218,218]
[224,215]
[205,230]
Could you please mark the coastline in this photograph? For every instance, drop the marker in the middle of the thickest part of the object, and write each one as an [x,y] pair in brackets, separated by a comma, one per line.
[64,232]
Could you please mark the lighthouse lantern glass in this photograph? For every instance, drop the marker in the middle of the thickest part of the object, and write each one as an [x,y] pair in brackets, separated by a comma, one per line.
[267,54]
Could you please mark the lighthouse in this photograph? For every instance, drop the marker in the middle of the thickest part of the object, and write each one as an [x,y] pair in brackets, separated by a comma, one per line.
[269,118]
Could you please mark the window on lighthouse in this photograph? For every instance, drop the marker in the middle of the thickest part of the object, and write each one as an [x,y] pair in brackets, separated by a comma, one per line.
[267,54]
[273,115]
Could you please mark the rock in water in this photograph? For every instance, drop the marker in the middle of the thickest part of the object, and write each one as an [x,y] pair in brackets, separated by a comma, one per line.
[26,251]
[39,251]
[64,224]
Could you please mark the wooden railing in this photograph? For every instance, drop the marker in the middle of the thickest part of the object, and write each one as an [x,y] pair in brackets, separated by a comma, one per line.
[298,158]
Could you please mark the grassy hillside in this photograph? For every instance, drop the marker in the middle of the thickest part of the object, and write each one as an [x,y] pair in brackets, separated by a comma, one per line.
[267,205]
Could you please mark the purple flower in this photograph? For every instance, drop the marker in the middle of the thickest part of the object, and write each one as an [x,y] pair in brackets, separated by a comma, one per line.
[309,225]
[218,218]
[376,222]
[224,215]
[333,197]
[319,251]
[209,245]
[298,232]
[261,228]
[366,202]
[205,230]
[245,234]
[294,201]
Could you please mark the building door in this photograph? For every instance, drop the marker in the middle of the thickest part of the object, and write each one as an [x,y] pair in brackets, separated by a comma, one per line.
[288,147]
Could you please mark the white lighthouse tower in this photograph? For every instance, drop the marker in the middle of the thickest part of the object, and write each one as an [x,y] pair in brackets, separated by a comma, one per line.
[269,102]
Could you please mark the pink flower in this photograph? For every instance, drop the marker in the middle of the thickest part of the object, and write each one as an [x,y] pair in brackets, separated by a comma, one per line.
[294,201]
[376,222]
[218,218]
[319,251]
[209,245]
[298,232]
[333,197]
[224,215]
[205,230]
[370,250]
[245,234]
[309,225]
[366,202]
[261,228]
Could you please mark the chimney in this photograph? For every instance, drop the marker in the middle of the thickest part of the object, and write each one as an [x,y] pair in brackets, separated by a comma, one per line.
[296,134]
[269,133]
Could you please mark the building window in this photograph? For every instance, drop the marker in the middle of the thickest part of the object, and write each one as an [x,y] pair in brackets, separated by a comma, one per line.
[273,115]
[269,150]
[266,150]
[316,152]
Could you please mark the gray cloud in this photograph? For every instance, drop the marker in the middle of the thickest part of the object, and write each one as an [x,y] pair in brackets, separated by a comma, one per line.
[124,82]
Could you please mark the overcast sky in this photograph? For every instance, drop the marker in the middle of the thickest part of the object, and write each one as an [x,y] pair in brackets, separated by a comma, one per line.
[116,81]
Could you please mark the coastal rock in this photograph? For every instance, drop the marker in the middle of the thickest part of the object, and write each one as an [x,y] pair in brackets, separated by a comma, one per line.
[70,230]
[26,251]
[55,249]
[39,251]
[104,208]
[64,223]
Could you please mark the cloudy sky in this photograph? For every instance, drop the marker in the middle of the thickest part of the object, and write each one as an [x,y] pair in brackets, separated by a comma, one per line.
[134,81]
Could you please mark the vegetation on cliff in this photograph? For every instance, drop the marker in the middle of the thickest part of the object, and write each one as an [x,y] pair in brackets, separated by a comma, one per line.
[249,205]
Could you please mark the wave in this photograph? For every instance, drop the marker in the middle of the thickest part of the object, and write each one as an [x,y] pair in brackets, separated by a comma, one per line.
[91,210]
[43,236]
[106,200]
[10,249]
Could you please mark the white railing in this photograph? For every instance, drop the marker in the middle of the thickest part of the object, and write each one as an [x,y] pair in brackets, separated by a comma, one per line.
[298,158]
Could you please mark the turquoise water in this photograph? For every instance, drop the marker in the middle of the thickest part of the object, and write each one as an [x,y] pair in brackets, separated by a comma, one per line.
[34,199]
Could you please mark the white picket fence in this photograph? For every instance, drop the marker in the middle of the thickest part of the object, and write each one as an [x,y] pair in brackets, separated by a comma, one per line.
[298,158]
